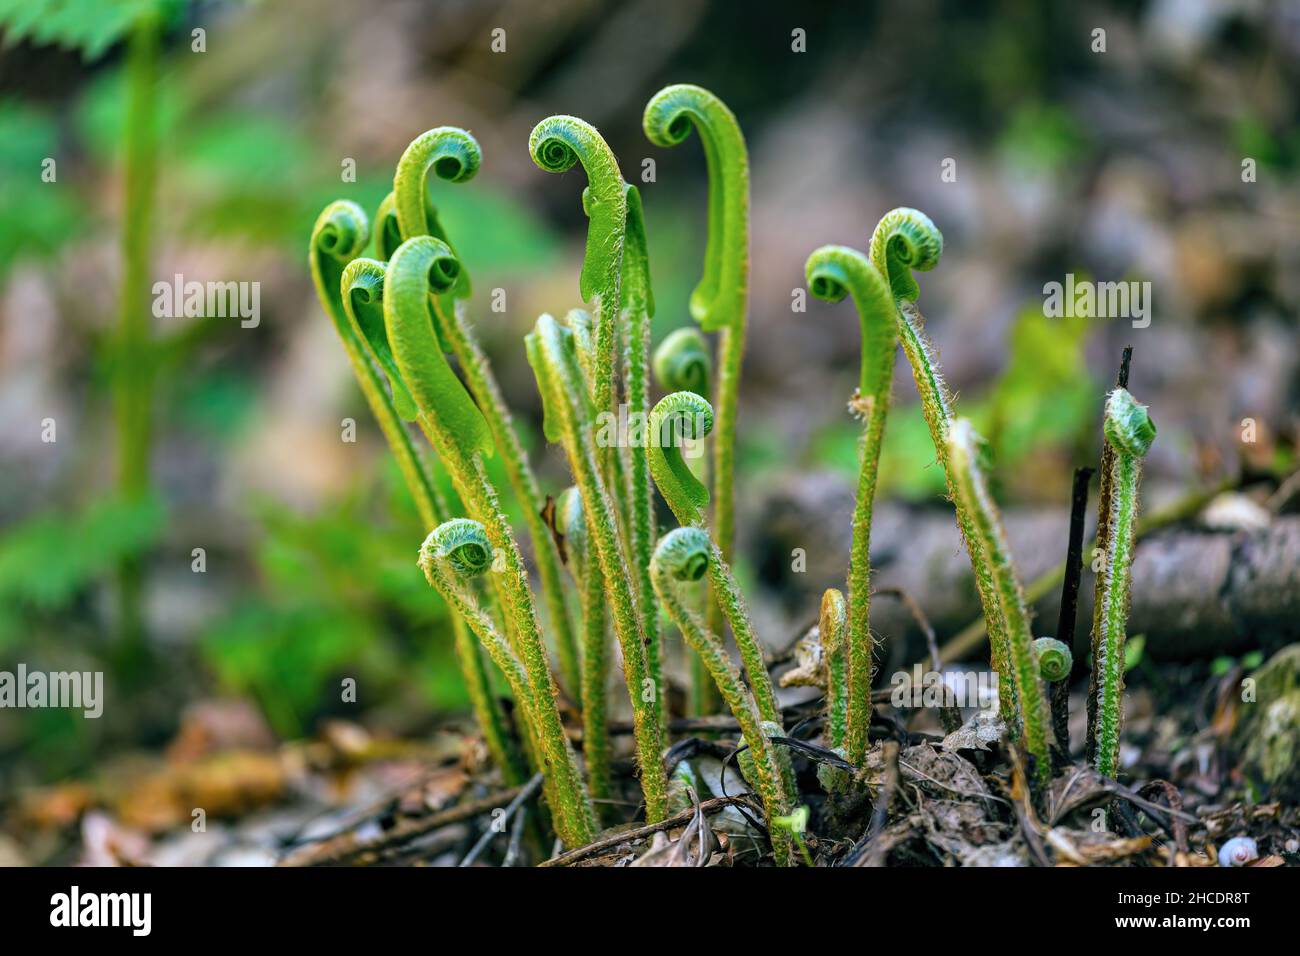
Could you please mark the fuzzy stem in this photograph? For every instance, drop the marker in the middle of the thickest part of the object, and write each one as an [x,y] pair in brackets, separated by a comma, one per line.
[685,415]
[835,272]
[568,418]
[452,422]
[595,645]
[1101,544]
[682,555]
[483,386]
[638,309]
[971,493]
[1129,433]
[453,552]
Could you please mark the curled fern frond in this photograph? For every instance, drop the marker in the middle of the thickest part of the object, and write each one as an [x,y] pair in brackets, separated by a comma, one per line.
[556,144]
[833,273]
[682,362]
[905,240]
[1128,426]
[1054,659]
[719,299]
[421,266]
[463,544]
[686,554]
[678,417]
[449,153]
[362,288]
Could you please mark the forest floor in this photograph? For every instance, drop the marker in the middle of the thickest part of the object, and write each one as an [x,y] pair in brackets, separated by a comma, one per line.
[226,793]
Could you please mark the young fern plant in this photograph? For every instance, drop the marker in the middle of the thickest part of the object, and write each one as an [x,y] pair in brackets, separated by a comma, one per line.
[835,272]
[453,155]
[423,266]
[1129,433]
[569,415]
[720,300]
[687,554]
[454,552]
[677,418]
[905,240]
[348,291]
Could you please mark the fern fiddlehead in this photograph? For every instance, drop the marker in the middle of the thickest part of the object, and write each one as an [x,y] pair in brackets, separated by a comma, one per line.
[1054,659]
[686,554]
[719,301]
[905,240]
[972,495]
[682,362]
[338,237]
[553,356]
[452,555]
[835,272]
[675,419]
[556,144]
[1129,432]
[423,266]
[453,155]
[685,415]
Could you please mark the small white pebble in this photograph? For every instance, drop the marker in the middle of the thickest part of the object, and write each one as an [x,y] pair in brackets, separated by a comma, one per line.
[1238,852]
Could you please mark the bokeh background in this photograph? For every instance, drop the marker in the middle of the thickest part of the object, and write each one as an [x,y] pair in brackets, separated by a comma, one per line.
[177,434]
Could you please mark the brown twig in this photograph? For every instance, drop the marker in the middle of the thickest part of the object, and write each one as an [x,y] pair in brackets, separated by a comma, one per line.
[625,836]
[345,848]
[517,803]
[1065,623]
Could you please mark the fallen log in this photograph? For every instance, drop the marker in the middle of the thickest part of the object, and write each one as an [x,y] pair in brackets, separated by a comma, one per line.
[1196,592]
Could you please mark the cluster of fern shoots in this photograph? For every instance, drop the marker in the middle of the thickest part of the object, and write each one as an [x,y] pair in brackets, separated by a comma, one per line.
[599,560]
